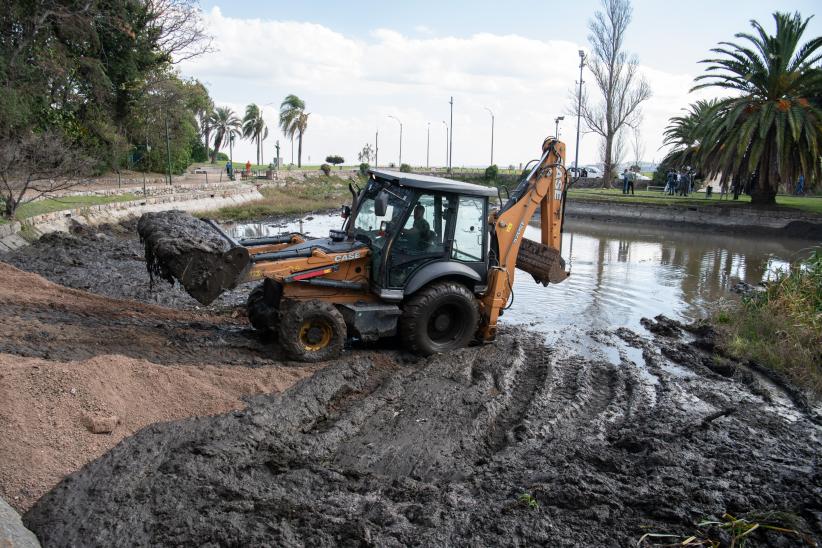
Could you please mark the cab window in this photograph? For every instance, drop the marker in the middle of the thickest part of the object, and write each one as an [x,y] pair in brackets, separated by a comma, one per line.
[470,230]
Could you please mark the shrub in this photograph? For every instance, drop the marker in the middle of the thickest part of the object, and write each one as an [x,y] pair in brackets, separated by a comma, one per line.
[491,172]
[325,168]
[405,168]
[364,167]
[222,157]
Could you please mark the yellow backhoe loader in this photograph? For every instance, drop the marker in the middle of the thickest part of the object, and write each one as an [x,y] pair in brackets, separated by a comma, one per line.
[425,258]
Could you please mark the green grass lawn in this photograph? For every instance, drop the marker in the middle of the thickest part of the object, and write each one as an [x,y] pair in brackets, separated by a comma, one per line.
[49,205]
[805,203]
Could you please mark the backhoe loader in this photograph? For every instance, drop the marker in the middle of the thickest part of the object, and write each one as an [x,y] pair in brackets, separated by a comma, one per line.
[425,258]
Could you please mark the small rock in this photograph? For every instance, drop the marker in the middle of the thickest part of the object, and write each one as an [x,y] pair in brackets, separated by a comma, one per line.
[73,391]
[100,425]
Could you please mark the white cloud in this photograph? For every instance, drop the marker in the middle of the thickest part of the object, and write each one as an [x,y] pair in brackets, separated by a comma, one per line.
[350,85]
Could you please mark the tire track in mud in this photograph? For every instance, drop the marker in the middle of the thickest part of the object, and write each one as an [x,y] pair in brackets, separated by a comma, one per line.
[390,450]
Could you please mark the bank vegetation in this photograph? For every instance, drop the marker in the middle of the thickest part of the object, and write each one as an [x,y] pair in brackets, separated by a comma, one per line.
[781,326]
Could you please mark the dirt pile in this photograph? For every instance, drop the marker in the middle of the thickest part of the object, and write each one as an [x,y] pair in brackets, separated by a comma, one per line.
[179,247]
[107,260]
[66,354]
[511,443]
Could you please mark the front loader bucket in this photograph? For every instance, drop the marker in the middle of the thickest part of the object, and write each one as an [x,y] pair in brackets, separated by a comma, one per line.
[542,262]
[183,248]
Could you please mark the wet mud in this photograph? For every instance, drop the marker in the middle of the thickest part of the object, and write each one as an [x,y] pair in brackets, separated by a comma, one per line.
[181,248]
[513,443]
[108,260]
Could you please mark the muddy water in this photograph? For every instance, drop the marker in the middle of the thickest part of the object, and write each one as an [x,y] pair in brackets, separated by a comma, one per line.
[620,273]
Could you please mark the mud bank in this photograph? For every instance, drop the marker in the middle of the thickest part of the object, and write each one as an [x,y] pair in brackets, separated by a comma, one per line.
[511,443]
[108,260]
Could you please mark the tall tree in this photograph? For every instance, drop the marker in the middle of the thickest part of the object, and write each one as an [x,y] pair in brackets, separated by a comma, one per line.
[772,126]
[294,121]
[616,78]
[254,128]
[224,123]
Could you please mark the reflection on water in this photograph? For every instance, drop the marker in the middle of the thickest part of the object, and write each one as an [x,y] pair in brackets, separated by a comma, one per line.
[620,273]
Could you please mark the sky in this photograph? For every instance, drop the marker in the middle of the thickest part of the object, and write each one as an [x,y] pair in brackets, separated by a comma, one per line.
[356,63]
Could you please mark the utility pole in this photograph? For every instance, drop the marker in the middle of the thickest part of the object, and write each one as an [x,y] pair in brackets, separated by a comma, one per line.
[579,109]
[446,142]
[492,135]
[557,120]
[377,149]
[400,123]
[277,146]
[451,142]
[168,153]
[427,145]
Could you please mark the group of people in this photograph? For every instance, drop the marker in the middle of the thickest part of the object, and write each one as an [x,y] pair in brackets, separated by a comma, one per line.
[229,169]
[679,182]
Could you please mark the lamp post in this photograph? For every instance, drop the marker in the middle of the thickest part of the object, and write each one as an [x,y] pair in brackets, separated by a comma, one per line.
[231,147]
[451,138]
[579,109]
[277,146]
[427,144]
[400,123]
[377,149]
[446,142]
[492,134]
[557,120]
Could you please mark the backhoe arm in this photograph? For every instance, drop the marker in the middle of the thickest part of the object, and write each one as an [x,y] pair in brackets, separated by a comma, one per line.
[544,187]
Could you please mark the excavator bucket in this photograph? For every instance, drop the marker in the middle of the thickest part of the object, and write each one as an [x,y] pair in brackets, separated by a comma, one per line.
[186,249]
[542,262]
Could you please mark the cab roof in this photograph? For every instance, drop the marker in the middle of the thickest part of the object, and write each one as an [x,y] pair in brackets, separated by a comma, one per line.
[434,184]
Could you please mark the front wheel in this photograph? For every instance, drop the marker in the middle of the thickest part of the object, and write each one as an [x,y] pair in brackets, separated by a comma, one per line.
[441,317]
[312,331]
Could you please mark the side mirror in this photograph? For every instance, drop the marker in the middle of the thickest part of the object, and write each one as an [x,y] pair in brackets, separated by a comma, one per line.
[346,212]
[381,204]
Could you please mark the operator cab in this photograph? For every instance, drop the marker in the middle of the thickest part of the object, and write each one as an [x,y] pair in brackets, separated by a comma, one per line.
[420,229]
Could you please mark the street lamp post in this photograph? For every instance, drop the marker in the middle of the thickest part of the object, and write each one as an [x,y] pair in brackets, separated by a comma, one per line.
[231,147]
[427,145]
[377,149]
[579,109]
[557,120]
[446,142]
[277,146]
[400,123]
[492,134]
[451,138]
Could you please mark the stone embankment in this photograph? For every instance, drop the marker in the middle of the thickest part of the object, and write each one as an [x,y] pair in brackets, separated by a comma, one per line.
[17,234]
[790,222]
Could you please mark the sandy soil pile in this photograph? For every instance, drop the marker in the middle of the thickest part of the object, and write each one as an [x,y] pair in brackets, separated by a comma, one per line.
[67,355]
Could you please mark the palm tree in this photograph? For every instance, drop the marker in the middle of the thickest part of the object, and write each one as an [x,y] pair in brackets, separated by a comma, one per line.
[294,121]
[682,134]
[772,127]
[254,128]
[224,124]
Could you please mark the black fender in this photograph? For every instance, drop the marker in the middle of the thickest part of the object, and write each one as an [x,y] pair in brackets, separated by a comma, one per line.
[441,269]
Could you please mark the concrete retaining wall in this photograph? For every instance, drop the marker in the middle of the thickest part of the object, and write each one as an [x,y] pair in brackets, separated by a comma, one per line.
[16,234]
[712,216]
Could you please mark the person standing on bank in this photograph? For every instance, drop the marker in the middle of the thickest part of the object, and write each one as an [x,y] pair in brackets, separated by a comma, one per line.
[625,182]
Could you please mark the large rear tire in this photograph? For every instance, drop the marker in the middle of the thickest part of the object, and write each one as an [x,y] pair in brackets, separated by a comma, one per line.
[312,331]
[439,318]
[261,314]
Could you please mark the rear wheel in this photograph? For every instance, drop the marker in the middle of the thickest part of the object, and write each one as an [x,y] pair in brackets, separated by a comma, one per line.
[441,317]
[312,331]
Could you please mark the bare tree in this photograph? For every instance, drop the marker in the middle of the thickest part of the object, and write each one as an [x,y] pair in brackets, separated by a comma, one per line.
[617,155]
[637,145]
[179,29]
[36,165]
[616,78]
